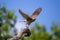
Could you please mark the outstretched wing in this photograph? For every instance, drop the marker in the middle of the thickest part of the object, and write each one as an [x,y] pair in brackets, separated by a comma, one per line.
[36,13]
[24,15]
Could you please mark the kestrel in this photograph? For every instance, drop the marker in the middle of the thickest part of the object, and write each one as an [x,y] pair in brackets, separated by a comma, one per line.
[32,18]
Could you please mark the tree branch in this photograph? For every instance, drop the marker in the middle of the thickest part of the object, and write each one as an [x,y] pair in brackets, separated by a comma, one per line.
[19,35]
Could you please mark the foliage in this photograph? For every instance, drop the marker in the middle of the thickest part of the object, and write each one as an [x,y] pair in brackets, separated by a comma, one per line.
[7,21]
[39,32]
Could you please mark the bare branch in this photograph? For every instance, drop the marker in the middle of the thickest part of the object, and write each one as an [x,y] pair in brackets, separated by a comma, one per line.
[19,35]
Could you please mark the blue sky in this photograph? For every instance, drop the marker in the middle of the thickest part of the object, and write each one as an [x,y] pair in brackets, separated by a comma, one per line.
[50,10]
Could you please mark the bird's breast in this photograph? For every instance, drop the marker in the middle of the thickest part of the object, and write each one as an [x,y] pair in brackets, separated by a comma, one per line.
[30,21]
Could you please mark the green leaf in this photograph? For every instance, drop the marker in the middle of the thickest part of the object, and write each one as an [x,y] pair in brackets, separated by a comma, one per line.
[10,15]
[5,27]
[1,14]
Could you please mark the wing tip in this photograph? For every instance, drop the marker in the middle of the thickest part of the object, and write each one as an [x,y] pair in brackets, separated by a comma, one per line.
[40,9]
[19,10]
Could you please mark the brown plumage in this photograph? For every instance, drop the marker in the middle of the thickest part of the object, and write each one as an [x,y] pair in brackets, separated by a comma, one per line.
[32,18]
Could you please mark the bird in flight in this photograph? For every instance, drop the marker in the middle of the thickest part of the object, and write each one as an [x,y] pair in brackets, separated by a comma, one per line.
[32,18]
